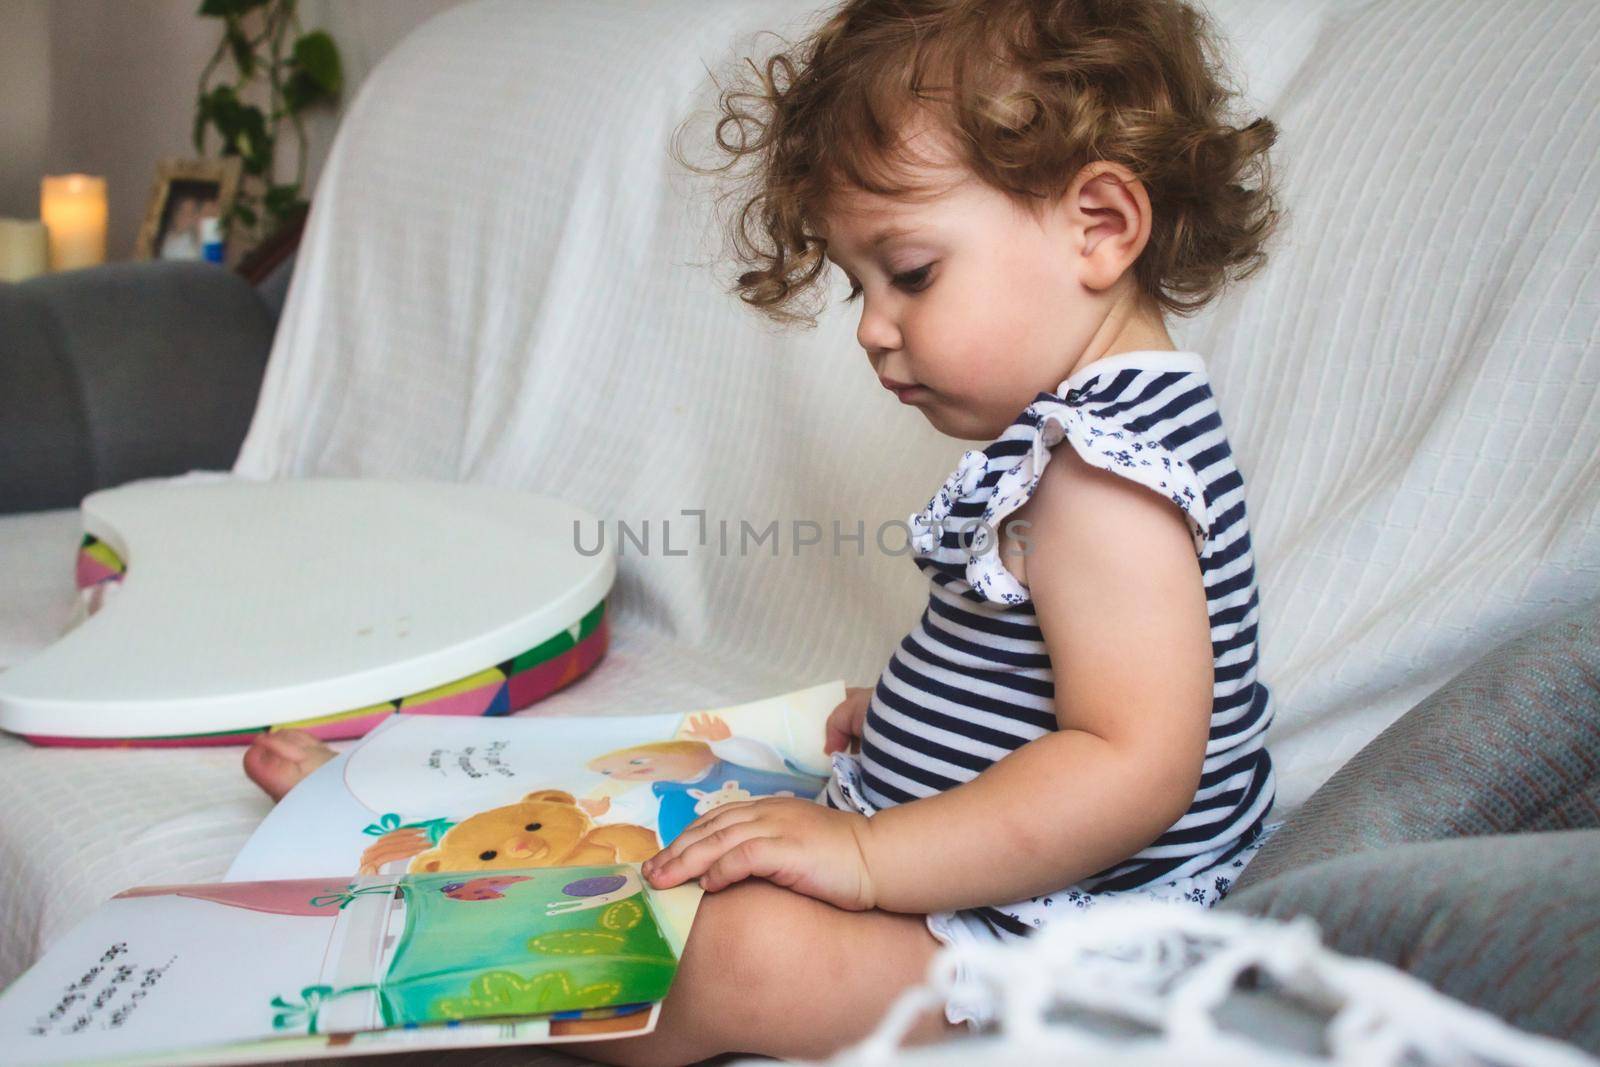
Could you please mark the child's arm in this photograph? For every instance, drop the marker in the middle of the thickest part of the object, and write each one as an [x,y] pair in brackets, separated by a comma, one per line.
[1121,603]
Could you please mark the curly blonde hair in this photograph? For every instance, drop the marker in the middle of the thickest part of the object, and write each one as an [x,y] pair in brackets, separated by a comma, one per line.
[1031,91]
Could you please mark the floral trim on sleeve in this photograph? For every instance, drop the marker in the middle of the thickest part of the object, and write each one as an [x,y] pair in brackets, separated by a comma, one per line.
[928,524]
[1099,439]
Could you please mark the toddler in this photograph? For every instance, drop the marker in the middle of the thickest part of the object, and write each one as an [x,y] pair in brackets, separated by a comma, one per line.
[1018,192]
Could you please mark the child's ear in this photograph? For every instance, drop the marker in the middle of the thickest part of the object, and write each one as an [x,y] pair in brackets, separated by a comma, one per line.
[1110,215]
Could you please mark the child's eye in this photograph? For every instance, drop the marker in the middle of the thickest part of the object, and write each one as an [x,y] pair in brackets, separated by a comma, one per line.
[913,281]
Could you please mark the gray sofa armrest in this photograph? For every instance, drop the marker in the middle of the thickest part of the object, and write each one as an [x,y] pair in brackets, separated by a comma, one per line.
[129,370]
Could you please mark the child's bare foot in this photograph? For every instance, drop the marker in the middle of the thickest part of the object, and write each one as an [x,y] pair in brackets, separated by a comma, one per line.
[277,761]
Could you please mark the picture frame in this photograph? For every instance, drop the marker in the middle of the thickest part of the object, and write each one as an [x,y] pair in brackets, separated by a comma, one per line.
[184,192]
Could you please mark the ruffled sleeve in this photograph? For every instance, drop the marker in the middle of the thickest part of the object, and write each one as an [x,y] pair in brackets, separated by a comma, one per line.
[927,524]
[1102,441]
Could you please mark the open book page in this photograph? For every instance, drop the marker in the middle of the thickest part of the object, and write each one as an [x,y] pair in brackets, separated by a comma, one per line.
[267,970]
[380,880]
[426,793]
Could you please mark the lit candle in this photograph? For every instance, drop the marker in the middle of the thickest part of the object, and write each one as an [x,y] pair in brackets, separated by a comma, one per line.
[73,207]
[24,249]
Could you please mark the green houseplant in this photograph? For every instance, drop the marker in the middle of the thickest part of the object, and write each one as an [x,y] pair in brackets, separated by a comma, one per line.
[271,56]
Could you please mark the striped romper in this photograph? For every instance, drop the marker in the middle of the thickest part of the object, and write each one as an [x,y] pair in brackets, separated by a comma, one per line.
[973,680]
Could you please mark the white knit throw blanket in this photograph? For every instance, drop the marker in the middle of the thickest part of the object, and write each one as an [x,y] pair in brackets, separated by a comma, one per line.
[1157,973]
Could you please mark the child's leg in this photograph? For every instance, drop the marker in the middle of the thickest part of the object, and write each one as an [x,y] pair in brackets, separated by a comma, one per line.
[768,971]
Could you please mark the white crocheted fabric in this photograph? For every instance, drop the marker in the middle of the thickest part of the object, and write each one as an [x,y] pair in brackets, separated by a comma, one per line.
[1143,983]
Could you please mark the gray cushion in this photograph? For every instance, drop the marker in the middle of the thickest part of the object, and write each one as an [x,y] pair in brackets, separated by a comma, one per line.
[124,371]
[1509,924]
[274,288]
[44,439]
[1509,745]
[1459,845]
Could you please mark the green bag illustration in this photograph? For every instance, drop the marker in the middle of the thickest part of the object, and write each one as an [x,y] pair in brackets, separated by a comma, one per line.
[511,943]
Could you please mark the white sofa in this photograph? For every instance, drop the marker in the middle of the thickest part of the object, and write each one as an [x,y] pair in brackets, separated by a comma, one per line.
[505,280]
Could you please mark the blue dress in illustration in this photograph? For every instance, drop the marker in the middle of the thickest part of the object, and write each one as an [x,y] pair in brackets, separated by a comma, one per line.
[708,768]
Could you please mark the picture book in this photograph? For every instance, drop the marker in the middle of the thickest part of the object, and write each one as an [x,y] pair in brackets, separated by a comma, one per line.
[442,882]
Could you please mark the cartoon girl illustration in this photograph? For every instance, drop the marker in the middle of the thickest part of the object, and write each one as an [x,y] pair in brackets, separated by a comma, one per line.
[708,768]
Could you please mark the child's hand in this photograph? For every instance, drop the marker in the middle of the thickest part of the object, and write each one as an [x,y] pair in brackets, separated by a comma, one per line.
[795,843]
[844,722]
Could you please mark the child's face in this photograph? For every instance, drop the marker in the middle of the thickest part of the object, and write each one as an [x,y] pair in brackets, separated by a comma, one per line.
[980,307]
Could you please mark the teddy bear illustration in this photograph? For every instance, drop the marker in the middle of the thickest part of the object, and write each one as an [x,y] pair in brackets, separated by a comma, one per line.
[546,828]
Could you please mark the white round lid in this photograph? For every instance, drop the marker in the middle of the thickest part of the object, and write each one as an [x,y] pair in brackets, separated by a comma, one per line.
[249,603]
